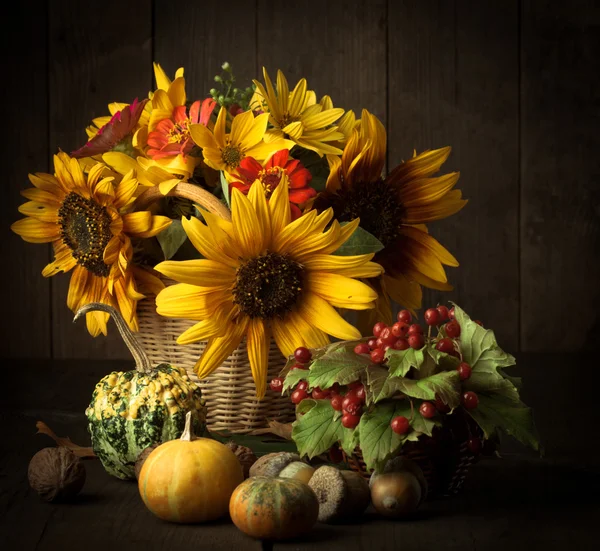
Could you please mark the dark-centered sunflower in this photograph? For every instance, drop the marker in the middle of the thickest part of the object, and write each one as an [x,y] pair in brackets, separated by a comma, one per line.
[395,210]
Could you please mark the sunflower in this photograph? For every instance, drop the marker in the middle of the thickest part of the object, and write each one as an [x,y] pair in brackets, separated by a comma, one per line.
[263,275]
[297,115]
[224,151]
[85,218]
[395,210]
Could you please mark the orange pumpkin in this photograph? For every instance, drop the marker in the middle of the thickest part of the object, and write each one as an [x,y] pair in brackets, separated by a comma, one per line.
[273,508]
[190,479]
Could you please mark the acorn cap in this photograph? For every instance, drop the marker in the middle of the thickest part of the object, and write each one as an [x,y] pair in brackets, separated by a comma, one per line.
[272,463]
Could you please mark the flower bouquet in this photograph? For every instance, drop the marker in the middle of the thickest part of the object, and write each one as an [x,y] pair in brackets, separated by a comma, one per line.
[251,218]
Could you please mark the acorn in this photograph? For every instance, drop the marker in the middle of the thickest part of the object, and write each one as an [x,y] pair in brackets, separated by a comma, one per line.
[398,464]
[297,470]
[245,456]
[273,463]
[56,474]
[396,494]
[342,495]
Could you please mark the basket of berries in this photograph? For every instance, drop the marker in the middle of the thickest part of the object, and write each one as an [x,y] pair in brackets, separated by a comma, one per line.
[435,394]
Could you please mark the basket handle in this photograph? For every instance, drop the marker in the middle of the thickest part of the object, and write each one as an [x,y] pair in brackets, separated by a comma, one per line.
[185,191]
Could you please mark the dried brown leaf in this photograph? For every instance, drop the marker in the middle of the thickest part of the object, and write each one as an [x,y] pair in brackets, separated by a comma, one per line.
[65,442]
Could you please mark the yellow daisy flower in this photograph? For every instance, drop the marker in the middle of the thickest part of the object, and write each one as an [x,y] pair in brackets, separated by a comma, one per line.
[395,210]
[264,275]
[224,151]
[86,219]
[297,115]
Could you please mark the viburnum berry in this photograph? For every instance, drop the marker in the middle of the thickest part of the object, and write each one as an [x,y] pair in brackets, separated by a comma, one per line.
[276,384]
[298,366]
[354,385]
[401,344]
[452,329]
[335,388]
[298,396]
[464,371]
[302,385]
[404,316]
[335,455]
[470,400]
[431,316]
[415,328]
[378,328]
[350,421]
[378,355]
[400,329]
[319,394]
[400,424]
[362,348]
[386,336]
[372,343]
[352,404]
[361,393]
[441,406]
[474,445]
[302,355]
[427,410]
[379,342]
[336,402]
[445,345]
[451,313]
[415,340]
[443,312]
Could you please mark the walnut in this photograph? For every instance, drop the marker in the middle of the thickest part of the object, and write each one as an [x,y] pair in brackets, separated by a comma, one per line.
[142,459]
[56,474]
[245,456]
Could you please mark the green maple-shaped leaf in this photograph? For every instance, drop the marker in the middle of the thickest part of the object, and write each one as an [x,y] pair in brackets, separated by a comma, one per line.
[340,364]
[349,440]
[293,377]
[445,384]
[318,429]
[399,362]
[380,385]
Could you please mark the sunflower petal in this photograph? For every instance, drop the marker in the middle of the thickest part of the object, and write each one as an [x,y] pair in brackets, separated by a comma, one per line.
[201,272]
[190,301]
[36,231]
[341,291]
[258,354]
[246,227]
[214,326]
[219,348]
[321,314]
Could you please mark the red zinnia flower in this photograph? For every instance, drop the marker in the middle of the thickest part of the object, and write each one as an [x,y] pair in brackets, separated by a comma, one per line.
[269,176]
[172,136]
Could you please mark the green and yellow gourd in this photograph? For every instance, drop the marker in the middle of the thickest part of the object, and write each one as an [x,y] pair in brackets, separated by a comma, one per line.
[133,410]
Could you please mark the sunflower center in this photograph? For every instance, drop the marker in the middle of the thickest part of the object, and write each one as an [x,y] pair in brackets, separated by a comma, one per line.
[377,206]
[270,179]
[85,229]
[268,286]
[231,156]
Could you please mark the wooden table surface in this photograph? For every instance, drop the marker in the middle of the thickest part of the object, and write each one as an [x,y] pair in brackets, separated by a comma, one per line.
[517,502]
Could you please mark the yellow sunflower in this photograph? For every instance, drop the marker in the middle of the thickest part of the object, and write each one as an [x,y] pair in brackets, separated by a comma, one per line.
[395,210]
[85,218]
[297,115]
[224,151]
[264,275]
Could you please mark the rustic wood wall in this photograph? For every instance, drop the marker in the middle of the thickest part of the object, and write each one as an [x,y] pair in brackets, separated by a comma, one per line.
[512,86]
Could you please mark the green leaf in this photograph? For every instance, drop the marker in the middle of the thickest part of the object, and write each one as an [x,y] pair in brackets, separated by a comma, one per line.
[338,365]
[317,430]
[293,377]
[317,166]
[400,361]
[360,242]
[380,384]
[445,384]
[171,239]
[225,188]
[442,360]
[349,440]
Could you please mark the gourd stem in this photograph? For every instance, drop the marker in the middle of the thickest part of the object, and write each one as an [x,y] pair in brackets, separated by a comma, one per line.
[186,191]
[142,361]
[188,432]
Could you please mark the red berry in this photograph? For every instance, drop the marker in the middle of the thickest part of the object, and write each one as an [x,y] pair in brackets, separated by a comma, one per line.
[335,455]
[470,400]
[361,393]
[378,327]
[298,366]
[302,355]
[350,421]
[387,337]
[479,322]
[445,345]
[336,402]
[362,348]
[372,343]
[441,406]
[298,396]
[302,385]
[378,356]
[474,445]
[415,340]
[335,388]
[276,384]
[355,385]
[451,313]
[431,316]
[400,424]
[319,394]
[352,404]
[452,329]
[379,342]
[400,329]
[401,344]
[427,410]
[415,328]
[405,316]
[464,371]
[443,312]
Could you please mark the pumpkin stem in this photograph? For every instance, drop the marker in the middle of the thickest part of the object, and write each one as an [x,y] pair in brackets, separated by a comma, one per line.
[142,361]
[188,432]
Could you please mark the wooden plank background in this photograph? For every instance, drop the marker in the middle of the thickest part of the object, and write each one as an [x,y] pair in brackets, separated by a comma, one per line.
[512,86]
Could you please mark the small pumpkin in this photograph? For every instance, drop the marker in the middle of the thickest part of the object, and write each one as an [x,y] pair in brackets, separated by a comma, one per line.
[273,508]
[133,410]
[190,479]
